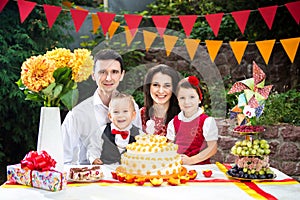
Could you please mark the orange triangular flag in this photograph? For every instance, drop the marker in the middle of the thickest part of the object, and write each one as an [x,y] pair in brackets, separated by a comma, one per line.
[268,13]
[95,22]
[191,46]
[169,42]
[265,48]
[129,36]
[25,8]
[213,47]
[112,28]
[238,49]
[290,46]
[149,38]
[51,13]
[78,17]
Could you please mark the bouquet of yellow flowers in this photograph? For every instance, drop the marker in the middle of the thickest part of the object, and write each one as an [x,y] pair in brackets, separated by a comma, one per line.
[52,78]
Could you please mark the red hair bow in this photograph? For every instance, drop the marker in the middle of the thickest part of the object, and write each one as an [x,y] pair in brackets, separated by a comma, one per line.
[193,80]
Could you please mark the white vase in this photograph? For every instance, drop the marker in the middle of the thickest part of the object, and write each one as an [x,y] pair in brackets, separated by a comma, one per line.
[50,136]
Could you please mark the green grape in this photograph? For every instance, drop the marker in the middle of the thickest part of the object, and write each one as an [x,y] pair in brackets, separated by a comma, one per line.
[249,144]
[261,172]
[255,146]
[267,151]
[256,141]
[267,146]
[239,150]
[245,169]
[253,152]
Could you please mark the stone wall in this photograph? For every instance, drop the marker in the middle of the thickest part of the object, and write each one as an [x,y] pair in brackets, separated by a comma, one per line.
[284,141]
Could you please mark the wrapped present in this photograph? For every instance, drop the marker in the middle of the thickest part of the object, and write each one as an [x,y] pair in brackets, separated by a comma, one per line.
[36,170]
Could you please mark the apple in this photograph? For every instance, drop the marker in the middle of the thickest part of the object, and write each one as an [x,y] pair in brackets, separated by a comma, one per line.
[140,181]
[114,175]
[129,179]
[156,181]
[192,174]
[121,178]
[183,179]
[183,171]
[207,173]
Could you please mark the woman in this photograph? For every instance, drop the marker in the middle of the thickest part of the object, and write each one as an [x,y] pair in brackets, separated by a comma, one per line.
[160,102]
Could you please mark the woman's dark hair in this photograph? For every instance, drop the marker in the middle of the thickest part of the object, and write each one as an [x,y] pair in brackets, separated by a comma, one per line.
[108,54]
[148,101]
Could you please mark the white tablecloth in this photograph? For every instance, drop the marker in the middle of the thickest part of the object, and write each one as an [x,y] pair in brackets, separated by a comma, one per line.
[190,191]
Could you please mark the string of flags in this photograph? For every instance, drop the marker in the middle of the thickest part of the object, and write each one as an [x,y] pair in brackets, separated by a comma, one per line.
[108,25]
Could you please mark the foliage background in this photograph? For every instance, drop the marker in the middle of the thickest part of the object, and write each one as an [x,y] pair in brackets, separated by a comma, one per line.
[19,119]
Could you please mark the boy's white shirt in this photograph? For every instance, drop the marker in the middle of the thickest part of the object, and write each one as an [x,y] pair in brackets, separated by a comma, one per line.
[210,129]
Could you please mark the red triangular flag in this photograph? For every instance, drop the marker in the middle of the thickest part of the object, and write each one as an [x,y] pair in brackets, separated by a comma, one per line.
[241,18]
[52,13]
[2,4]
[25,8]
[214,21]
[105,19]
[187,22]
[78,17]
[133,22]
[294,9]
[268,13]
[161,22]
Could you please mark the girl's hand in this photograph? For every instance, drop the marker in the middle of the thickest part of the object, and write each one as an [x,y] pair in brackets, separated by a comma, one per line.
[186,160]
[97,161]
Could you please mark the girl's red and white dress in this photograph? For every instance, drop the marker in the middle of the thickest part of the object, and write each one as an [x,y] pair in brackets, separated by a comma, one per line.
[191,134]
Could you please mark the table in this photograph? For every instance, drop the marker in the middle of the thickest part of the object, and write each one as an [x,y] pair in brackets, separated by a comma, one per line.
[218,186]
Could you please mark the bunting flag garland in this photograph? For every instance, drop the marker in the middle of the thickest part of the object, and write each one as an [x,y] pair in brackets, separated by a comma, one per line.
[2,4]
[129,35]
[268,13]
[214,21]
[290,46]
[105,19]
[169,42]
[265,49]
[294,9]
[51,13]
[213,47]
[149,38]
[133,22]
[113,28]
[187,22]
[241,18]
[161,22]
[192,46]
[25,8]
[95,22]
[78,17]
[238,49]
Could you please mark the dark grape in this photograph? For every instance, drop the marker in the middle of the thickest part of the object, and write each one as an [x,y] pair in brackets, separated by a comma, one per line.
[269,175]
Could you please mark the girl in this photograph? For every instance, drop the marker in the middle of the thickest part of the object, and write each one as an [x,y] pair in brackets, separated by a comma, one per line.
[195,133]
[160,102]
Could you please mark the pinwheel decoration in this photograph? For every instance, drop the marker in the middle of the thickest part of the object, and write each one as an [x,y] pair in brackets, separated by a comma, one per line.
[251,102]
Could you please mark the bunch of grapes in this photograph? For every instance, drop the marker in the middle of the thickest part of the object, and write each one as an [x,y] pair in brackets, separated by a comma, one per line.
[249,129]
[251,148]
[264,173]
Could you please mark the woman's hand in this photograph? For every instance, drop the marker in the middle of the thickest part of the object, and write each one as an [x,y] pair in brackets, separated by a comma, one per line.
[97,161]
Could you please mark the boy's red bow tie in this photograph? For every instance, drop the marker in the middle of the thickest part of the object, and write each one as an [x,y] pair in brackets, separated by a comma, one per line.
[124,134]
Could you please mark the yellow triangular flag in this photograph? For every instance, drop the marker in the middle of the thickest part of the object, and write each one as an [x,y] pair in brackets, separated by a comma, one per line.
[265,48]
[213,47]
[95,22]
[129,36]
[290,46]
[169,42]
[238,49]
[112,28]
[191,46]
[149,38]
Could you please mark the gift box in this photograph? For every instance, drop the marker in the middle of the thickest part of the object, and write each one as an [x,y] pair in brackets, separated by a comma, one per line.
[34,176]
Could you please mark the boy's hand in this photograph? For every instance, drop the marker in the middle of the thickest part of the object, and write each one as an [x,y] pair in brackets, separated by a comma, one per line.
[97,161]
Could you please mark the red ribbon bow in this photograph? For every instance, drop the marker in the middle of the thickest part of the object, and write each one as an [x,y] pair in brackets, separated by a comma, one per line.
[124,134]
[39,162]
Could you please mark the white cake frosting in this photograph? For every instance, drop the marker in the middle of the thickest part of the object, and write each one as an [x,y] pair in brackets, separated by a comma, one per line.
[151,156]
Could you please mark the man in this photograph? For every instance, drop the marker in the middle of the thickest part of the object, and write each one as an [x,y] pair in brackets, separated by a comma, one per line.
[86,118]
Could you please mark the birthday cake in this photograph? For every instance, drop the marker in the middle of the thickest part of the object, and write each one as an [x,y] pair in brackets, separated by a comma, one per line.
[86,173]
[151,156]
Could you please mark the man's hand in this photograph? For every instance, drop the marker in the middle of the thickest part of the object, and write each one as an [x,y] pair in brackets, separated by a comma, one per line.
[97,161]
